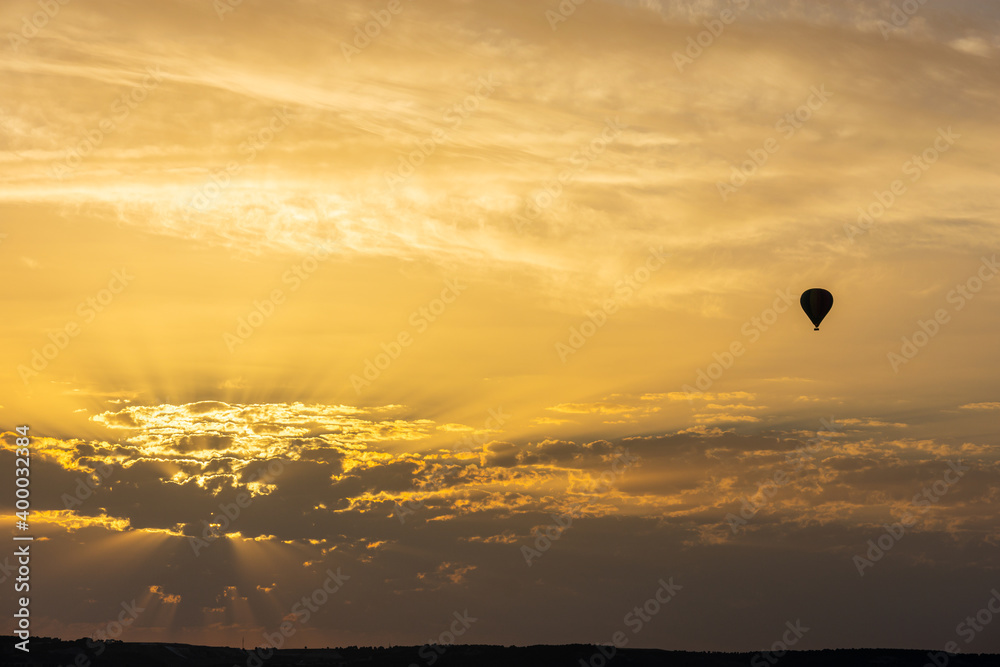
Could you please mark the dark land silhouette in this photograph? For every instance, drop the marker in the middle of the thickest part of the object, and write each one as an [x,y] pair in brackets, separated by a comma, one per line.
[87,653]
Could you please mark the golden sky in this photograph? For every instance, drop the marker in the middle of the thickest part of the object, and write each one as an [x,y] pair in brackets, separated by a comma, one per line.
[458,270]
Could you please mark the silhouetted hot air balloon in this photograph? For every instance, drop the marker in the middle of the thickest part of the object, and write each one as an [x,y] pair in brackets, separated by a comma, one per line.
[817,303]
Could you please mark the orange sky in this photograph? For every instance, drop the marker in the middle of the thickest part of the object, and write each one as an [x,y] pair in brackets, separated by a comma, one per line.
[447,274]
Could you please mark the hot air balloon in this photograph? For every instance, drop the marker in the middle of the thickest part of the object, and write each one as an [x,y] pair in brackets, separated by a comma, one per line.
[817,303]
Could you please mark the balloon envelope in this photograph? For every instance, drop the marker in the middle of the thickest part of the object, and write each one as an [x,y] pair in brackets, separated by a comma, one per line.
[817,303]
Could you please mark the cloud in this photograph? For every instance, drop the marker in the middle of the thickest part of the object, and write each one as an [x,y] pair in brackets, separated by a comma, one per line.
[147,431]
